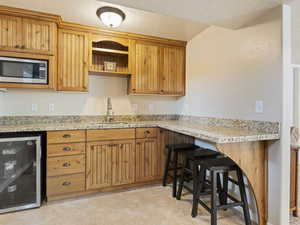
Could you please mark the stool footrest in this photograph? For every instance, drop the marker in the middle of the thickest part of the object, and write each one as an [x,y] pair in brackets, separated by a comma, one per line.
[233,181]
[230,205]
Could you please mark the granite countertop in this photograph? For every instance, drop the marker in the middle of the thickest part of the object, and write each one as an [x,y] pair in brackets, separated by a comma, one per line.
[216,133]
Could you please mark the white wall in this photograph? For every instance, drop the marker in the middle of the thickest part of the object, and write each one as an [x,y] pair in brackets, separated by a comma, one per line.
[295,8]
[18,101]
[228,70]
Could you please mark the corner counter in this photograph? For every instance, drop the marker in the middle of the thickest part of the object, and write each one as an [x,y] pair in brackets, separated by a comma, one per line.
[245,142]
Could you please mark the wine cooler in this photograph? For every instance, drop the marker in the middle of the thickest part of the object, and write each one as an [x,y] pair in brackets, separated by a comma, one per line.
[20,173]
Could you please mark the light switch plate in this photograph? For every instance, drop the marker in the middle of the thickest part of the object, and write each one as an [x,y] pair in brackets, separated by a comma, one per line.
[34,107]
[259,106]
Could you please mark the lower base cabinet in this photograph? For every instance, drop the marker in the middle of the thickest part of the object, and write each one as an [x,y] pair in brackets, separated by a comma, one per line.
[89,161]
[65,184]
[148,159]
[110,163]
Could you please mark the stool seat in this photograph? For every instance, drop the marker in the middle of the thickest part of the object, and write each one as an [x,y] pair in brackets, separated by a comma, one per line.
[201,153]
[182,147]
[219,164]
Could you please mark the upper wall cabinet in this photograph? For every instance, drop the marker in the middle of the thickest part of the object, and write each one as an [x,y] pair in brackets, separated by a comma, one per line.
[73,49]
[173,71]
[158,69]
[145,72]
[11,32]
[27,35]
[39,36]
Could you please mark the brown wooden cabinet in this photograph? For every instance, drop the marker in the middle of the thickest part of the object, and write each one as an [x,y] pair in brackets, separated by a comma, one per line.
[27,35]
[98,165]
[110,163]
[173,71]
[66,162]
[147,160]
[72,60]
[145,71]
[158,69]
[39,36]
[10,30]
[89,161]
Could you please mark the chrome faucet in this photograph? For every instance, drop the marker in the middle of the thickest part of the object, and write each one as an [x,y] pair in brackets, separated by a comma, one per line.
[109,111]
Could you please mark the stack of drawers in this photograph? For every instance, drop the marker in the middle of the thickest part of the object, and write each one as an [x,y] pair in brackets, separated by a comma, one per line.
[65,162]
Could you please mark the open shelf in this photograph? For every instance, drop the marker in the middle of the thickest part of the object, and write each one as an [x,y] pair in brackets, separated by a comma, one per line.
[112,51]
[109,51]
[110,72]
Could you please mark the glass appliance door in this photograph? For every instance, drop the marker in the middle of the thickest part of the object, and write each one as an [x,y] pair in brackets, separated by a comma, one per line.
[20,181]
[16,70]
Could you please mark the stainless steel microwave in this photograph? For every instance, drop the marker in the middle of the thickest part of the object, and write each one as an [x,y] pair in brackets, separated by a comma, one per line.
[20,70]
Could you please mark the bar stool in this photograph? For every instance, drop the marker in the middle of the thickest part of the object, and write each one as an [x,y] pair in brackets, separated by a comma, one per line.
[175,149]
[216,167]
[192,150]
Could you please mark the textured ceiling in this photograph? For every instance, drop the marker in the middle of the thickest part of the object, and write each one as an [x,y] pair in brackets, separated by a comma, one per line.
[137,21]
[228,13]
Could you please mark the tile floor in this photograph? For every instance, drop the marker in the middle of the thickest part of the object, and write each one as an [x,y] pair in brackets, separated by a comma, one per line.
[144,206]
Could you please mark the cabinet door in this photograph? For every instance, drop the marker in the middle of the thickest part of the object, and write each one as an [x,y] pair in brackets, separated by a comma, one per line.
[39,36]
[10,32]
[72,61]
[147,157]
[145,76]
[98,165]
[173,71]
[123,162]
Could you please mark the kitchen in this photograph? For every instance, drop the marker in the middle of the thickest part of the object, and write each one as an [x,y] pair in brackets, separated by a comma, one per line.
[116,98]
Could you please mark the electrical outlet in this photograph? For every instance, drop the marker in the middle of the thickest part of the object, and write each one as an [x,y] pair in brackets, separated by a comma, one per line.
[259,106]
[34,107]
[51,107]
[151,108]
[134,108]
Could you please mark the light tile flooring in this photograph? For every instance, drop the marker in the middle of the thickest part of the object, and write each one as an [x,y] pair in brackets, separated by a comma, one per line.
[144,206]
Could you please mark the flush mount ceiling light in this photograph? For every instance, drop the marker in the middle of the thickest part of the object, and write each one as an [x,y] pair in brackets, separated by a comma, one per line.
[110,16]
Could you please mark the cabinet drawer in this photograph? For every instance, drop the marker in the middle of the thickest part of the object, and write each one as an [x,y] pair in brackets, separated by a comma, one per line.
[65,184]
[65,136]
[65,165]
[66,149]
[146,132]
[111,134]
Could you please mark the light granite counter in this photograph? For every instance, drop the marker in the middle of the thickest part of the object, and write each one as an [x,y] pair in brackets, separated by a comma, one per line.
[211,132]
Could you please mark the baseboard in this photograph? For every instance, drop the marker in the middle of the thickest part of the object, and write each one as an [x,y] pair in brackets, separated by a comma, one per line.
[269,223]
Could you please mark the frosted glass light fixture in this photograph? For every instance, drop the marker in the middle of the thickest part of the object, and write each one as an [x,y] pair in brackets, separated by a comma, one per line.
[110,16]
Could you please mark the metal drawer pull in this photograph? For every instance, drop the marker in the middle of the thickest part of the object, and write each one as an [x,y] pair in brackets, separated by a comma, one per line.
[66,164]
[67,149]
[66,135]
[66,183]
[147,132]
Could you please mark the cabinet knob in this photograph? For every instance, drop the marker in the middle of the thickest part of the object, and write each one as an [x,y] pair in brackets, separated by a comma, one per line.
[66,136]
[146,132]
[67,149]
[66,164]
[66,183]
